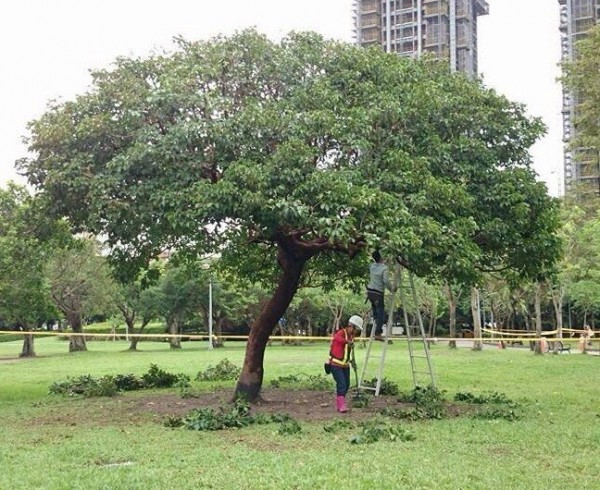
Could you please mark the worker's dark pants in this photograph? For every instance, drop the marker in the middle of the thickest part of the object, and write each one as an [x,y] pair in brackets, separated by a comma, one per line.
[341,375]
[378,307]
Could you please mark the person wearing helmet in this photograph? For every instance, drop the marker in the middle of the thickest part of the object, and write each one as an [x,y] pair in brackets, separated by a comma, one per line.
[340,357]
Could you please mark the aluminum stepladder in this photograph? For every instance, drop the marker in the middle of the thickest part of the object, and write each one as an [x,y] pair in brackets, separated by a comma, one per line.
[417,335]
[381,356]
[420,359]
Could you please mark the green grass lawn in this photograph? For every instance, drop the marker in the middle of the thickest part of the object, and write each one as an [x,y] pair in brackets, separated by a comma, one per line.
[553,445]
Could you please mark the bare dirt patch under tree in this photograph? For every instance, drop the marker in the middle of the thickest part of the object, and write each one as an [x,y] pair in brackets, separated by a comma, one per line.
[135,408]
[302,405]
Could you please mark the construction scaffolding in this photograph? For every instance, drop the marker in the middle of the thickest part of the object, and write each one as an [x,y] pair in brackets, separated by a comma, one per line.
[446,28]
[580,165]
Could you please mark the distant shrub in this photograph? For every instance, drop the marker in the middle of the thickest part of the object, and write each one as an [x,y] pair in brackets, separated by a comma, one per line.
[223,371]
[504,412]
[501,407]
[158,378]
[302,381]
[289,427]
[381,429]
[485,397]
[226,417]
[108,385]
[128,382]
[387,387]
[337,425]
[86,386]
[361,401]
[429,404]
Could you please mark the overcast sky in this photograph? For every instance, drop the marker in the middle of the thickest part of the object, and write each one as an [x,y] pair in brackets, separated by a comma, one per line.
[47,48]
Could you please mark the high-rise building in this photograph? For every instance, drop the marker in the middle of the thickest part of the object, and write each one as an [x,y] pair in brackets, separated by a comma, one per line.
[446,28]
[581,165]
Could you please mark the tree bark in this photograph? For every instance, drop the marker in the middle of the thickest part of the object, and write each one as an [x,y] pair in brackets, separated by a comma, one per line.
[293,251]
[251,378]
[452,305]
[475,312]
[337,312]
[309,329]
[28,350]
[77,342]
[135,339]
[175,341]
[538,318]
[129,316]
[432,323]
[557,294]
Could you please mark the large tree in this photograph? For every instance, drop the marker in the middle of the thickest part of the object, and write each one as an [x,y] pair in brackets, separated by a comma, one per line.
[80,285]
[584,268]
[26,241]
[291,158]
[138,300]
[180,300]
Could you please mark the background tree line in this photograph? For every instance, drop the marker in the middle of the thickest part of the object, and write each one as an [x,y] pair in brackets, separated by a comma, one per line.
[48,275]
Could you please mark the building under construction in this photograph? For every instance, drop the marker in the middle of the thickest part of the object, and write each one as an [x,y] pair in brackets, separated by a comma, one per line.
[581,165]
[446,28]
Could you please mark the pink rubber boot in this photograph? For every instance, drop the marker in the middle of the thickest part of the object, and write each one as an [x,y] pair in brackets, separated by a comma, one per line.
[340,403]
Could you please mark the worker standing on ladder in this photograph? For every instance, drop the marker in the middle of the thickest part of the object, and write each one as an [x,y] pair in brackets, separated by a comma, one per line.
[379,281]
[340,357]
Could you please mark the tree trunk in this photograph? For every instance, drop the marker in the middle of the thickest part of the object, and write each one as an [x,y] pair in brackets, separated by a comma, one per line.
[76,342]
[452,305]
[309,329]
[135,338]
[477,342]
[219,327]
[175,339]
[28,350]
[337,316]
[129,324]
[538,319]
[557,294]
[495,324]
[251,378]
[431,327]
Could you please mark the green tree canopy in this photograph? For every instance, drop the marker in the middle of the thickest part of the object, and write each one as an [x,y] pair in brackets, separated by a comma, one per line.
[26,242]
[289,159]
[181,296]
[580,267]
[81,285]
